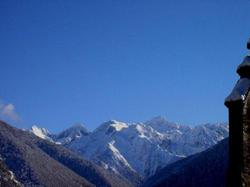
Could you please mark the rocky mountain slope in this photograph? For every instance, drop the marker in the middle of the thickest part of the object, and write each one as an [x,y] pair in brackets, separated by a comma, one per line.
[7,178]
[37,162]
[206,169]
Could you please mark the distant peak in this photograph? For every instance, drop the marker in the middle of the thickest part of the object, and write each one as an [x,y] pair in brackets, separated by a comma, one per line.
[117,125]
[77,128]
[36,128]
[160,124]
[74,132]
[40,132]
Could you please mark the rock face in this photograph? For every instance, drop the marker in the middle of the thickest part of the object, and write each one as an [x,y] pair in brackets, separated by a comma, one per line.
[206,169]
[37,162]
[7,178]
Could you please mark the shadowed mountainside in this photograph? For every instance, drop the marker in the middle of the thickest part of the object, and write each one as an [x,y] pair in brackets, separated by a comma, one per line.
[206,169]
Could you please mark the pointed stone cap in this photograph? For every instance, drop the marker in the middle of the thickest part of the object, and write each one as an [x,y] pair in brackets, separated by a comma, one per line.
[244,68]
[243,85]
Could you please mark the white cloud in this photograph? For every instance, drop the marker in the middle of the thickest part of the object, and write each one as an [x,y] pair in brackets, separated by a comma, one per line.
[7,111]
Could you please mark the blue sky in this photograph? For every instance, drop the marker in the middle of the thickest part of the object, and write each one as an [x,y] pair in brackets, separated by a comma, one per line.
[63,62]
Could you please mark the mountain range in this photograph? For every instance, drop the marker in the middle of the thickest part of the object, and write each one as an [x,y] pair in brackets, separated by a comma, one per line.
[136,151]
[116,154]
[38,162]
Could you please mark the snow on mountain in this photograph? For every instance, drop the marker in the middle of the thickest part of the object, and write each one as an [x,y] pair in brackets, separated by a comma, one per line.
[65,137]
[41,132]
[199,138]
[167,128]
[141,148]
[71,134]
[146,147]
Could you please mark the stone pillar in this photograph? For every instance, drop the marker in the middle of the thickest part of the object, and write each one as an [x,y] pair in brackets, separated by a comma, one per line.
[238,103]
[246,142]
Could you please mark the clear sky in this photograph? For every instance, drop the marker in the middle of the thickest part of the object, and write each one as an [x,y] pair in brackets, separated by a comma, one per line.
[89,61]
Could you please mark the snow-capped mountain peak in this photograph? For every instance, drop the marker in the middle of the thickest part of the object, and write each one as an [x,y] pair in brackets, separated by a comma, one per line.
[111,126]
[160,124]
[40,132]
[118,125]
[71,134]
[65,137]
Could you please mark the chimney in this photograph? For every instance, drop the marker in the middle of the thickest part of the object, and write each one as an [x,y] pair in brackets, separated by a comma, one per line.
[238,104]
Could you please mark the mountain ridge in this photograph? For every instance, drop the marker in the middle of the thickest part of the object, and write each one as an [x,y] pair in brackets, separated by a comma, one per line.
[130,149]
